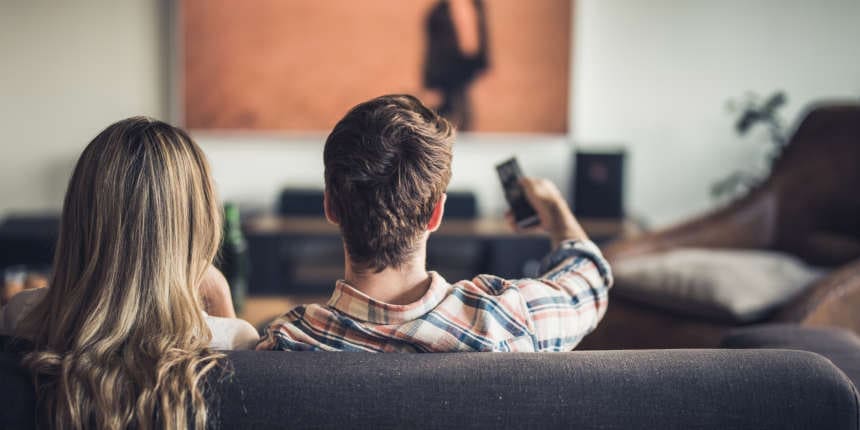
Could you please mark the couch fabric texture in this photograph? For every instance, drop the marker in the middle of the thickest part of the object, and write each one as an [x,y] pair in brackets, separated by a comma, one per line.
[703,389]
[840,346]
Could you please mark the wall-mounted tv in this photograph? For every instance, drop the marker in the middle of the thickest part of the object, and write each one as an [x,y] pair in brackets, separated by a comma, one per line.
[500,66]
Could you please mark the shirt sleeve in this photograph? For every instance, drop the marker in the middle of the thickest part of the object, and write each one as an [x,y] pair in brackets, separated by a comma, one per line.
[570,298]
[269,340]
[282,334]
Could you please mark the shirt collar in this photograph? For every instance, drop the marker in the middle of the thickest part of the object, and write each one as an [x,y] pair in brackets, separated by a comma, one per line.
[360,306]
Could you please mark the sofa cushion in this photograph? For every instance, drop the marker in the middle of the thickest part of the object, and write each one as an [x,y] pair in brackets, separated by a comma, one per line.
[735,286]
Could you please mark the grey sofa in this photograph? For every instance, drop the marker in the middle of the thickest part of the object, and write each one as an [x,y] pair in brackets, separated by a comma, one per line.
[840,346]
[660,389]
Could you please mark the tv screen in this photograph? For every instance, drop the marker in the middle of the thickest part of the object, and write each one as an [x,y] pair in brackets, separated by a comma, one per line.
[299,65]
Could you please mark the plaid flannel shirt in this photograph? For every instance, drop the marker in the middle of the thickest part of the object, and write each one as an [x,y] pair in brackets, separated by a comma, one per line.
[551,313]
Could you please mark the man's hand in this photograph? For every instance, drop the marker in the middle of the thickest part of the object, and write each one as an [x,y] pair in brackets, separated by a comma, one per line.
[552,210]
[215,292]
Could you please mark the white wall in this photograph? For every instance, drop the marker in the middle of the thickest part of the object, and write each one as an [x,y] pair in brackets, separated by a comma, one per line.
[656,75]
[652,75]
[67,70]
[253,171]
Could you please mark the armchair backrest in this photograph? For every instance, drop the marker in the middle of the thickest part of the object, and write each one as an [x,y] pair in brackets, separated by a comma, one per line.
[816,186]
[808,206]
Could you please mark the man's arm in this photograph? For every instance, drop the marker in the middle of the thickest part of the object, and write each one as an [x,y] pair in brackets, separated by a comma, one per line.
[570,298]
[555,216]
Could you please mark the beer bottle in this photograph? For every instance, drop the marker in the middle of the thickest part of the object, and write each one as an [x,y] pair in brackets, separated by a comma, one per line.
[234,263]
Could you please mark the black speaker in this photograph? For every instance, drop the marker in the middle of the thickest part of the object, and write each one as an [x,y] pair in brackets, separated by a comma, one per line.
[461,205]
[598,187]
[301,202]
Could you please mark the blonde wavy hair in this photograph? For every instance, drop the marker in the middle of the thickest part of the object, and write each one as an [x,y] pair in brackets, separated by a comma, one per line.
[120,340]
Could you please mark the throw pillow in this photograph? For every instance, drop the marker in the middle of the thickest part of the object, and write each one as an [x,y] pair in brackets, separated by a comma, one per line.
[736,286]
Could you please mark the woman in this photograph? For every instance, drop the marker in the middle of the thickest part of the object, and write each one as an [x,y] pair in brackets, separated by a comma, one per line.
[120,338]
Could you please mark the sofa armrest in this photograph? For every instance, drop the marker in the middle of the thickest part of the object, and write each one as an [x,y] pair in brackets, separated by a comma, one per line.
[747,223]
[840,346]
[832,301]
[703,389]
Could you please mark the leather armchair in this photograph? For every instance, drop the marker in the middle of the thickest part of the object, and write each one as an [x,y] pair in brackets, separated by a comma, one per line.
[809,206]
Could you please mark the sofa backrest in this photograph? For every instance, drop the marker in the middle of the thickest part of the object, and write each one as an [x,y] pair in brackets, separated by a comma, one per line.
[703,389]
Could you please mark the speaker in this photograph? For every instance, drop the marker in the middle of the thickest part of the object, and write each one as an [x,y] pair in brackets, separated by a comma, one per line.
[598,184]
[301,202]
[461,205]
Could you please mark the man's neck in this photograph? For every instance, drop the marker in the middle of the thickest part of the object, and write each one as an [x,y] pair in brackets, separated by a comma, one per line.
[400,286]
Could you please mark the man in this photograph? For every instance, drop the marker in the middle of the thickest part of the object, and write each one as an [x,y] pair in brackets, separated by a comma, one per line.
[387,164]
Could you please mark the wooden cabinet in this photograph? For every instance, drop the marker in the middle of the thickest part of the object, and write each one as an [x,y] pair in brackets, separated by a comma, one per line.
[304,255]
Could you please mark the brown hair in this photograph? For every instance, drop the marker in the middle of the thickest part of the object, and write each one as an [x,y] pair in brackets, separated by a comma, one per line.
[120,338]
[387,164]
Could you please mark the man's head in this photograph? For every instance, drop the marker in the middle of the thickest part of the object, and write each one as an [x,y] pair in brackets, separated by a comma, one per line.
[387,165]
